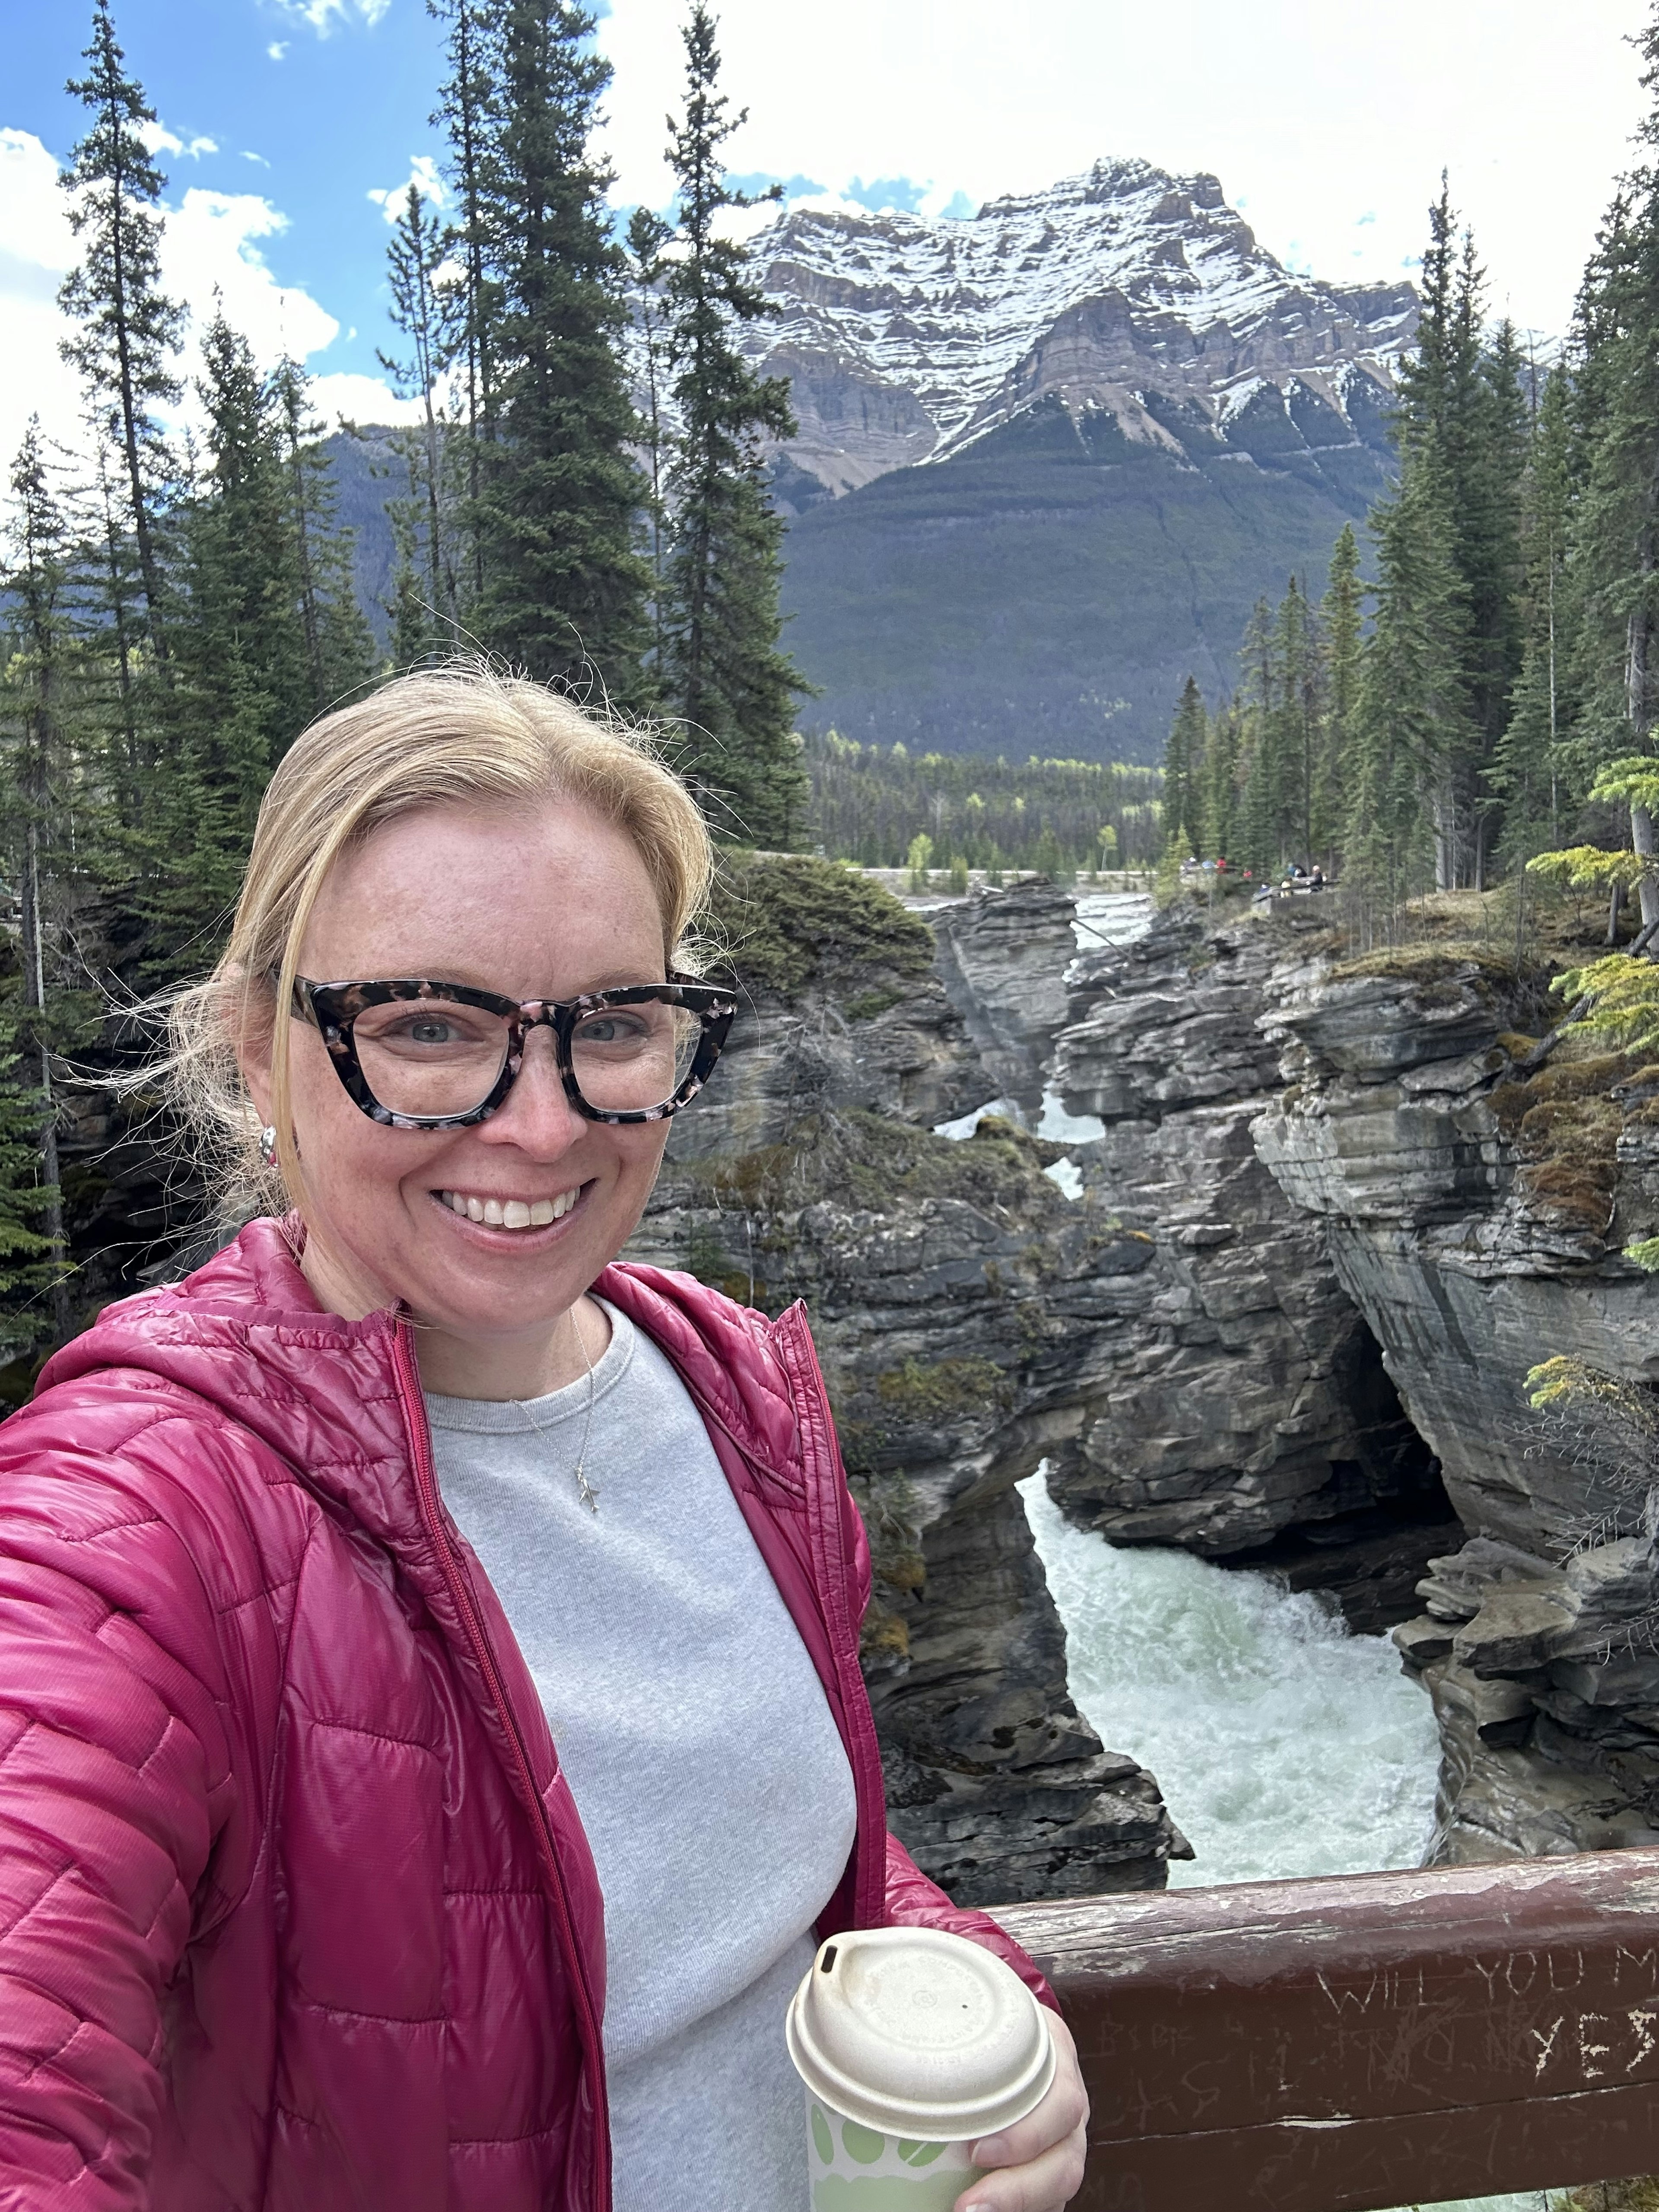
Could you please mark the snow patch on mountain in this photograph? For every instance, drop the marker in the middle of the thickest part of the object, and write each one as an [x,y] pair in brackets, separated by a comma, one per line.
[906,337]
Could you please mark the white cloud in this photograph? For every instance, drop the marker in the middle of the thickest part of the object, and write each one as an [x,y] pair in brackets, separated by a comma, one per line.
[361,399]
[423,174]
[259,158]
[277,49]
[324,15]
[160,140]
[212,243]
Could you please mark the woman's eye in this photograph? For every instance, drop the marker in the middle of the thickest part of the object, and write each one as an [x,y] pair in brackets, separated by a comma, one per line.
[611,1029]
[429,1032]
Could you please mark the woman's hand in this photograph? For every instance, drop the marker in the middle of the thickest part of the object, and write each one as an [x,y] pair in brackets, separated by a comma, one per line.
[1037,2165]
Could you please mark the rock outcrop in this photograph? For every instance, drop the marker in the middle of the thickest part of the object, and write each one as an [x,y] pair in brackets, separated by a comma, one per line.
[1477,1215]
[955,1294]
[1243,1411]
[1003,957]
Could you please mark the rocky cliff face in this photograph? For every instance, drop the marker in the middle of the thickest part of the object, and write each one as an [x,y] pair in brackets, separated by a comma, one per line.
[1127,290]
[1477,1216]
[954,1292]
[1002,957]
[1245,1411]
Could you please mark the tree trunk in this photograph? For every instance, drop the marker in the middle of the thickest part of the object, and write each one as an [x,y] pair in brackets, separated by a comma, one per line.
[1615,908]
[1642,843]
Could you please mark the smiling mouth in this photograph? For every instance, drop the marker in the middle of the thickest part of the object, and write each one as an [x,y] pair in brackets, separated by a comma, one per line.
[508,1212]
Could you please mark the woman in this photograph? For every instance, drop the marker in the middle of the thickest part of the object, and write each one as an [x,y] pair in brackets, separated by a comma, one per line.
[309,1561]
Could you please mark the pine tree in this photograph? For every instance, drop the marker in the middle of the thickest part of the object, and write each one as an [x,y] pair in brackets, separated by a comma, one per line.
[562,585]
[39,701]
[417,251]
[467,111]
[129,329]
[1300,711]
[1617,529]
[722,674]
[1221,780]
[1184,775]
[1532,766]
[647,234]
[1412,707]
[339,647]
[1341,616]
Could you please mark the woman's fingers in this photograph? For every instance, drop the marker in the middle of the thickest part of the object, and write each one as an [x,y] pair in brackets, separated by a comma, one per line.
[1042,2185]
[1036,2166]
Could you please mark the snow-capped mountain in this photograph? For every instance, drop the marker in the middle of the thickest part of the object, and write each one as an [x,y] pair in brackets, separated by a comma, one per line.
[1126,290]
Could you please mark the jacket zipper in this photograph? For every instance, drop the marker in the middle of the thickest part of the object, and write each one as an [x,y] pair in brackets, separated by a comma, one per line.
[426,1491]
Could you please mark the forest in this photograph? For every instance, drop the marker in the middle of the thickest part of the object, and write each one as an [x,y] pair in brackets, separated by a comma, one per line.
[175,608]
[1484,709]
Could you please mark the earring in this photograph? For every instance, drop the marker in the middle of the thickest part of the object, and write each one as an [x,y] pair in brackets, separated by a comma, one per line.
[268,1147]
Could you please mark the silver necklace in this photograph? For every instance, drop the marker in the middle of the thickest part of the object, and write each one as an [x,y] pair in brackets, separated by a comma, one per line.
[586,1491]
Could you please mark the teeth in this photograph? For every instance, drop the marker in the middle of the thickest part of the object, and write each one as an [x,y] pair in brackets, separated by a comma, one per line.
[510,1212]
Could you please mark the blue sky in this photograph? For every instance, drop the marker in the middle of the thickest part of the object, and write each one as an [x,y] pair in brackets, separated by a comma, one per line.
[1327,126]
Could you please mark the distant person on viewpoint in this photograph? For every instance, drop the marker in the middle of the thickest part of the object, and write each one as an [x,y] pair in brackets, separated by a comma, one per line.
[432,1729]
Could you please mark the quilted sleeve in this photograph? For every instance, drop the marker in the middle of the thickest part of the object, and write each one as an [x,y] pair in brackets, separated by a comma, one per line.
[912,1901]
[114,1780]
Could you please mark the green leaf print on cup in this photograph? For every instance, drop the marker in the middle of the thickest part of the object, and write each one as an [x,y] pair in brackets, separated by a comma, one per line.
[823,2142]
[875,2192]
[864,2144]
[919,2153]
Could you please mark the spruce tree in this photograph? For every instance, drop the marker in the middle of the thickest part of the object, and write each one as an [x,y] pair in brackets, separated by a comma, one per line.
[1532,769]
[1617,526]
[417,253]
[1184,776]
[1341,616]
[340,654]
[467,113]
[647,234]
[43,660]
[563,586]
[129,336]
[723,675]
[1221,780]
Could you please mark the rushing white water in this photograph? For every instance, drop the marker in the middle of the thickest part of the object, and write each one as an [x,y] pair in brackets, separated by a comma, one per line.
[1284,1746]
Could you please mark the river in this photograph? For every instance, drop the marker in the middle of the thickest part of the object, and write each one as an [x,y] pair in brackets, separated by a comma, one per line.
[1284,1744]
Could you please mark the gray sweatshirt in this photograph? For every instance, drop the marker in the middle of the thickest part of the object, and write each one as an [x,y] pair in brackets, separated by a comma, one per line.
[699,1746]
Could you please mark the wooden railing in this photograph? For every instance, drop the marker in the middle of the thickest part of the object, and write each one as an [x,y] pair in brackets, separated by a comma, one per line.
[1362,2041]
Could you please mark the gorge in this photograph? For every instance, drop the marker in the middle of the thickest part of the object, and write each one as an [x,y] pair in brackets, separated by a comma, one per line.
[1327,1228]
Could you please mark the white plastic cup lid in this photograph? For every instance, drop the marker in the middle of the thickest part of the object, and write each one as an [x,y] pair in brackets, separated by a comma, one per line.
[920,2034]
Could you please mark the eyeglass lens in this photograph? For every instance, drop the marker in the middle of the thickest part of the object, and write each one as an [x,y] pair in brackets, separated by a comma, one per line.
[436,1056]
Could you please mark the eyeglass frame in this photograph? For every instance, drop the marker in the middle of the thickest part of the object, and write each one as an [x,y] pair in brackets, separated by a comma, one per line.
[322,1006]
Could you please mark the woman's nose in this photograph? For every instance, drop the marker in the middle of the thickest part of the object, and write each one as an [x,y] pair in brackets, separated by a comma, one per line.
[538,1115]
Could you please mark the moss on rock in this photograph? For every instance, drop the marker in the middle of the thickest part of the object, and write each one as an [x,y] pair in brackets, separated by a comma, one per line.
[783,922]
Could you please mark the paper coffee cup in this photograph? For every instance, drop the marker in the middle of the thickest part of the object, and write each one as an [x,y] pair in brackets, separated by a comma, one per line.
[913,2044]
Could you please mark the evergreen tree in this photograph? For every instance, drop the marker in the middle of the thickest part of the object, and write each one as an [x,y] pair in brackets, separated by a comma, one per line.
[1531,769]
[563,585]
[129,329]
[1341,616]
[722,674]
[425,537]
[1299,710]
[1184,775]
[1461,434]
[339,647]
[467,111]
[647,234]
[1617,526]
[1221,780]
[42,661]
[1412,705]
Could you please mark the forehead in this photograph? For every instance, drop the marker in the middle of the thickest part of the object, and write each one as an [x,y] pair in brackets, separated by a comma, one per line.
[526,899]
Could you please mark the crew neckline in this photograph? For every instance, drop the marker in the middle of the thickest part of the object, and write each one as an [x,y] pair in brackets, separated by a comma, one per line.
[499,1417]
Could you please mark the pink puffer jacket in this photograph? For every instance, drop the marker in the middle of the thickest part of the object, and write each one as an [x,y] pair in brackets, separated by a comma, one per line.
[295,1908]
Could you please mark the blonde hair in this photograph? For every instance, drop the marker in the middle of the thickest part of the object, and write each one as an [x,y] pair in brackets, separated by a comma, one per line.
[462,734]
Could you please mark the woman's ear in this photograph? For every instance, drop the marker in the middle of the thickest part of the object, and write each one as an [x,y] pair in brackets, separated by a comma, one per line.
[253,1044]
